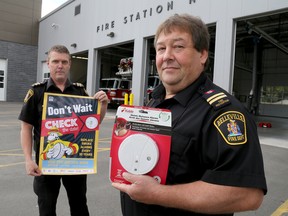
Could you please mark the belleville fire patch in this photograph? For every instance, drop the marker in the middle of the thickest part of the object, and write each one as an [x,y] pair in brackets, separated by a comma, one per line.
[232,127]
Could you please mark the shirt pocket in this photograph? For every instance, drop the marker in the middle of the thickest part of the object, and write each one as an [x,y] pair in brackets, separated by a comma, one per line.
[184,159]
[181,143]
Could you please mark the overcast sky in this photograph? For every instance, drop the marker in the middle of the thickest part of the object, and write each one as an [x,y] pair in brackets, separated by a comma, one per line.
[50,5]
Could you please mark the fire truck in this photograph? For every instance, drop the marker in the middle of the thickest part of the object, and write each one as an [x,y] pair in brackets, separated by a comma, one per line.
[116,88]
[153,81]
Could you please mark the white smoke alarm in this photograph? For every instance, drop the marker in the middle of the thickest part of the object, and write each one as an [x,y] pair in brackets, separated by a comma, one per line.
[138,154]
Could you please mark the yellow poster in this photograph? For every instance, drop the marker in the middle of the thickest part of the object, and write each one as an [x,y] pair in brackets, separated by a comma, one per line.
[69,135]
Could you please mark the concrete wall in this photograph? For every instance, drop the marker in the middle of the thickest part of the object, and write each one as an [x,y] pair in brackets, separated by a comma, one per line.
[19,21]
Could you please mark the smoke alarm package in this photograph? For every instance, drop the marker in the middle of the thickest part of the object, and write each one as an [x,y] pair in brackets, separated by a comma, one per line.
[141,141]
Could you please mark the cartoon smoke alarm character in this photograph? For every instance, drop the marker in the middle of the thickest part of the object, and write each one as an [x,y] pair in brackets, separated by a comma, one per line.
[57,148]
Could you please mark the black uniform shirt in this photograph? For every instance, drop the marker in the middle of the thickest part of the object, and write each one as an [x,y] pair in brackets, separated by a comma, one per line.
[214,139]
[32,108]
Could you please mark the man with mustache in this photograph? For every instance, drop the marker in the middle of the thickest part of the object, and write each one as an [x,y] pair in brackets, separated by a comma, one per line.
[211,172]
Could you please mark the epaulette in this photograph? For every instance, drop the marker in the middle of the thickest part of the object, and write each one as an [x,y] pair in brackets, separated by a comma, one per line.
[39,83]
[78,85]
[217,99]
[32,90]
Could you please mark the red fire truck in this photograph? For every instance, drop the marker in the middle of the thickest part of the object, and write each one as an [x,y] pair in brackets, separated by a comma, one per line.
[115,89]
[153,81]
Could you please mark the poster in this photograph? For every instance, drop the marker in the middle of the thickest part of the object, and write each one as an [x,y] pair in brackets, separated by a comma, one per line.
[69,135]
[141,142]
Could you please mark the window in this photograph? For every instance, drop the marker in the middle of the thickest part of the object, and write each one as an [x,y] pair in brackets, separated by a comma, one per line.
[77,10]
[1,78]
[45,71]
[274,95]
[125,85]
[110,83]
[46,76]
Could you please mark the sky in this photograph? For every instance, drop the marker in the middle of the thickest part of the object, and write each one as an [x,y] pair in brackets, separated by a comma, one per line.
[50,5]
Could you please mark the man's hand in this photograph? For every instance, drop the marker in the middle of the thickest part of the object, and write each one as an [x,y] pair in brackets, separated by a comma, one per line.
[102,97]
[32,168]
[143,188]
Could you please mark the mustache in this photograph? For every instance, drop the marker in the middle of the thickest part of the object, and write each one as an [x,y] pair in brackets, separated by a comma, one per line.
[170,66]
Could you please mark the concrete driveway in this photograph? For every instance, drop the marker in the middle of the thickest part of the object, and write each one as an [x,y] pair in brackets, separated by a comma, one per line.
[17,197]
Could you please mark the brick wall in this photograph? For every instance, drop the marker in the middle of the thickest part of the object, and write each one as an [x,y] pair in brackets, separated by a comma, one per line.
[22,68]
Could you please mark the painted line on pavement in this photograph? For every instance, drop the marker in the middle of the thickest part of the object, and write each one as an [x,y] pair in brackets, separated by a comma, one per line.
[11,164]
[281,209]
[103,149]
[11,150]
[11,154]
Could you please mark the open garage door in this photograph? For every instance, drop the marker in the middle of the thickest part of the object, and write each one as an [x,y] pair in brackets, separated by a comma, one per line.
[261,64]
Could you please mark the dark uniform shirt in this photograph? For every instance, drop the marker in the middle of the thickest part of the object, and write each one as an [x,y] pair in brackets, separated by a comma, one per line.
[214,139]
[32,109]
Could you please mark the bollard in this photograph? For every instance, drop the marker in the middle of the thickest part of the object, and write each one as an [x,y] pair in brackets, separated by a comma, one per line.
[131,99]
[126,99]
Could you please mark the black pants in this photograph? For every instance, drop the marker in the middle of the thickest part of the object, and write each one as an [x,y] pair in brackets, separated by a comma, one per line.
[47,188]
[132,208]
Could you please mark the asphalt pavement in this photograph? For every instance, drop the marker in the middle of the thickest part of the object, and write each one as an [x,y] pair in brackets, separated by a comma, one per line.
[17,197]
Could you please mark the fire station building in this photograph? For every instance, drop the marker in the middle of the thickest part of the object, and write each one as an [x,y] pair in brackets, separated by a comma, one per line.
[114,39]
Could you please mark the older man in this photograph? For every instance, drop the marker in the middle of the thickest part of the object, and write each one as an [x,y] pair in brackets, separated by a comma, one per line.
[215,167]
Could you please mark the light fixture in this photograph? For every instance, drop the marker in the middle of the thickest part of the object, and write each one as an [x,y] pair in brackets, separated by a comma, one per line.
[111,34]
[73,45]
[54,25]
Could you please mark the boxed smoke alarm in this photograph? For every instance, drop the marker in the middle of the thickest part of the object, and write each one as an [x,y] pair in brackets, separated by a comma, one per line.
[141,141]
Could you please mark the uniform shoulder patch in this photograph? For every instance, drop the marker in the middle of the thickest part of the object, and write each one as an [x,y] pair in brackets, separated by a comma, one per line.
[232,127]
[216,98]
[78,85]
[29,94]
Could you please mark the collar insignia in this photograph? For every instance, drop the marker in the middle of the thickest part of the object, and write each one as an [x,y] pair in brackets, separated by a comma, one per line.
[216,99]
